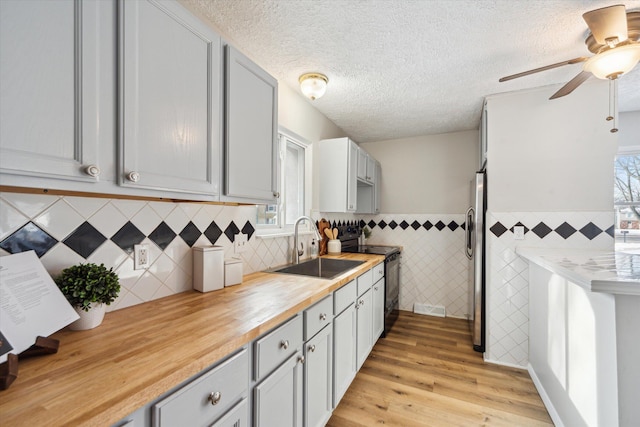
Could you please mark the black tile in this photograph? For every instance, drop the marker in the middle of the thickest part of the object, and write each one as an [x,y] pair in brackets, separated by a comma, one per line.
[248,230]
[427,225]
[334,224]
[519,224]
[127,237]
[362,223]
[190,234]
[382,224]
[162,236]
[565,230]
[440,225]
[498,229]
[393,225]
[611,231]
[29,237]
[231,231]
[591,231]
[415,225]
[371,224]
[85,240]
[404,225]
[541,230]
[453,225]
[463,225]
[213,232]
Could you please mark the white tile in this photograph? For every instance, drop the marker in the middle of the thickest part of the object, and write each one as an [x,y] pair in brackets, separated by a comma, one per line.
[177,220]
[127,276]
[108,220]
[128,207]
[178,281]
[10,219]
[146,220]
[125,299]
[177,250]
[162,267]
[146,287]
[163,209]
[190,209]
[59,220]
[86,206]
[60,257]
[109,254]
[29,204]
[163,291]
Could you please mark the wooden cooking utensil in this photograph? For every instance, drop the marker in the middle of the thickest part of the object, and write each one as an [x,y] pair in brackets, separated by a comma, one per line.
[328,232]
[323,225]
[335,233]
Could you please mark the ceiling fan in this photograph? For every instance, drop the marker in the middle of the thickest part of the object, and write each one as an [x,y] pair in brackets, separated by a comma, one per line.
[614,38]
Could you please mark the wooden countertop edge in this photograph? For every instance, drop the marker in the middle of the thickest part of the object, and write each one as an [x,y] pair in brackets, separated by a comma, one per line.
[115,387]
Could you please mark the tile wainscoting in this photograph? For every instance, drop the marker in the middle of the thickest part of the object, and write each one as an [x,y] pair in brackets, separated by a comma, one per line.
[433,268]
[508,274]
[66,230]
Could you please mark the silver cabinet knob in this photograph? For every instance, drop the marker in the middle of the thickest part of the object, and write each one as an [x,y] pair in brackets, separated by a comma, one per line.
[301,359]
[361,302]
[375,288]
[92,170]
[312,348]
[380,272]
[323,316]
[133,176]
[284,344]
[215,397]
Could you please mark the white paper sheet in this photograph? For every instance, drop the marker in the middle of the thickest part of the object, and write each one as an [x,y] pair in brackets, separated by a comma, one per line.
[31,304]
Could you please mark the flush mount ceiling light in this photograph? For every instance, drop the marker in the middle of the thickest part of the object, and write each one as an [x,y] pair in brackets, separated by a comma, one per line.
[313,85]
[611,63]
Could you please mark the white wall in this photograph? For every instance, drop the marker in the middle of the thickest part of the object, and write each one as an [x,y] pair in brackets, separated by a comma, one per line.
[629,133]
[547,156]
[426,174]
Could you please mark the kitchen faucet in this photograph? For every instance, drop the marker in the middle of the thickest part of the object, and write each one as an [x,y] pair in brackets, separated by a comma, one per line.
[297,253]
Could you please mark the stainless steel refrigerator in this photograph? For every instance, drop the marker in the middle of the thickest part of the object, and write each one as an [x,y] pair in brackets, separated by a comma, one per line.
[475,248]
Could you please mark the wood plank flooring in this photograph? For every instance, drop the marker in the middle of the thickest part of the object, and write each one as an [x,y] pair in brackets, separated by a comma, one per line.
[425,373]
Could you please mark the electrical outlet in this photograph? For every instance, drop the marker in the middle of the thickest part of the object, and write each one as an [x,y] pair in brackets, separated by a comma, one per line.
[140,257]
[240,243]
[518,232]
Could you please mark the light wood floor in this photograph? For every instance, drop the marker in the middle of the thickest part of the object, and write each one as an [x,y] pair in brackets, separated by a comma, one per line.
[425,373]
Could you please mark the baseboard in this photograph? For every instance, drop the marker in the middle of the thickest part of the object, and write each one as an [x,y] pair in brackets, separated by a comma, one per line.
[555,417]
[510,365]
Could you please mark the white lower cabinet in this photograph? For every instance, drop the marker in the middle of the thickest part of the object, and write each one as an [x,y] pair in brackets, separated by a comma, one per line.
[277,401]
[378,308]
[318,362]
[364,338]
[236,417]
[207,398]
[344,352]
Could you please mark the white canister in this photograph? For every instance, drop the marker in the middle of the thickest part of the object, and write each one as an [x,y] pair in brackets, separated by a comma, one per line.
[232,271]
[208,268]
[334,246]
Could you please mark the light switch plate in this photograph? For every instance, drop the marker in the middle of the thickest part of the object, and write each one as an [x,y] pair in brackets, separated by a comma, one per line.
[518,232]
[240,243]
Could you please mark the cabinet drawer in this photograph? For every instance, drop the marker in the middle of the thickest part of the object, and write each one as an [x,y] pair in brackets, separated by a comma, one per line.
[344,296]
[317,317]
[378,272]
[275,347]
[364,282]
[193,405]
[236,417]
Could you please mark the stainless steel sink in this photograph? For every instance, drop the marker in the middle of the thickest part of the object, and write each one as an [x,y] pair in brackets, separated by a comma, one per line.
[325,268]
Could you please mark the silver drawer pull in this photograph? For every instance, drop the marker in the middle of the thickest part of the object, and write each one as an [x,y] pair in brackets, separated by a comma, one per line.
[284,344]
[301,359]
[92,170]
[215,397]
[312,348]
[323,316]
[380,272]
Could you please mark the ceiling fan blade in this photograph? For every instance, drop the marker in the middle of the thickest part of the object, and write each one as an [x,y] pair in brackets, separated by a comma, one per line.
[573,83]
[608,22]
[545,68]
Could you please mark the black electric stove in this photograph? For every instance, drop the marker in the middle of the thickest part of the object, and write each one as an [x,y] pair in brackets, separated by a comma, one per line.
[349,238]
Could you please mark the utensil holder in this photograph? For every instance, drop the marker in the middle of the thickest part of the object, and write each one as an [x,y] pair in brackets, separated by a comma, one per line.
[334,246]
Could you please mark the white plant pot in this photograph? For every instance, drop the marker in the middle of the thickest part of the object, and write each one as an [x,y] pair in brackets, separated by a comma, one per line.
[89,319]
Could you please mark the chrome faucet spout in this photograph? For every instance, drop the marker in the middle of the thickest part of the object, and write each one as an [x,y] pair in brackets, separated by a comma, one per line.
[297,253]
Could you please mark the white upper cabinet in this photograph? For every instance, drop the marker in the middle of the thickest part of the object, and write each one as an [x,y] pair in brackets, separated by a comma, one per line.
[251,130]
[362,164]
[170,74]
[49,84]
[338,159]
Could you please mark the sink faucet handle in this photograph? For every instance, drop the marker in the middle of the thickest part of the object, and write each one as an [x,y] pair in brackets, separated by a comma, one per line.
[301,250]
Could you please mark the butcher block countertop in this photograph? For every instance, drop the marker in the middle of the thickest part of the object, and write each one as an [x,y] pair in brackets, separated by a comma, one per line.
[138,353]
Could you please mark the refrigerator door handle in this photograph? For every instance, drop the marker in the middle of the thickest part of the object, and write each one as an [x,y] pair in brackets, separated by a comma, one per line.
[469,229]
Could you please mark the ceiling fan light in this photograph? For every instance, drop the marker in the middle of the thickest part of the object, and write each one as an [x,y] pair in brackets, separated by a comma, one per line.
[313,85]
[614,62]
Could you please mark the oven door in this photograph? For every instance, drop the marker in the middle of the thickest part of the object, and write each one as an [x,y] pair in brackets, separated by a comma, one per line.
[392,281]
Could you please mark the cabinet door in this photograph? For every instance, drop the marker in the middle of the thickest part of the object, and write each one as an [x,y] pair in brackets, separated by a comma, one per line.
[277,401]
[236,417]
[378,309]
[365,330]
[318,378]
[377,187]
[48,77]
[344,352]
[251,129]
[371,169]
[362,164]
[352,180]
[170,74]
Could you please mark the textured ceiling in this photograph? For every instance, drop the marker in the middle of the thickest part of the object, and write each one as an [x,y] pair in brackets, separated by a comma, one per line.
[400,68]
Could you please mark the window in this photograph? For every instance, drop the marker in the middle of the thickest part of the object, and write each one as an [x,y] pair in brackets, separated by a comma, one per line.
[627,200]
[292,172]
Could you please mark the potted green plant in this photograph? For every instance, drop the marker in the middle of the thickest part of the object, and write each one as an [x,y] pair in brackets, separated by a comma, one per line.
[366,233]
[88,288]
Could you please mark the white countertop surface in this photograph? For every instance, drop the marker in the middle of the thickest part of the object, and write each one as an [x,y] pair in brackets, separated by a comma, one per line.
[599,271]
